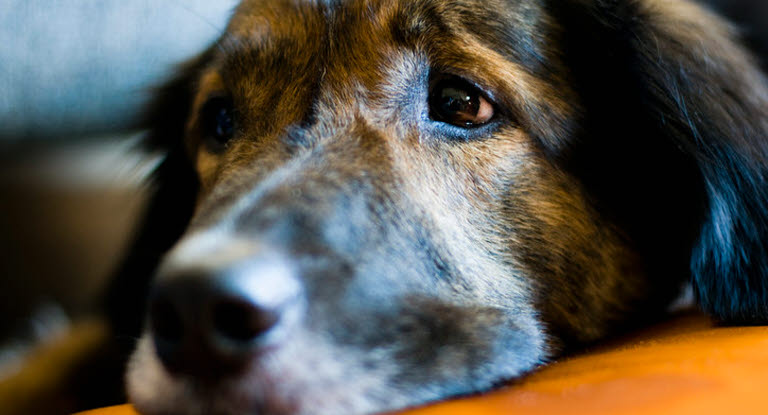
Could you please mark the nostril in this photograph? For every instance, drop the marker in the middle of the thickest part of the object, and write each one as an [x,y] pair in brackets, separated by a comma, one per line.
[166,321]
[241,321]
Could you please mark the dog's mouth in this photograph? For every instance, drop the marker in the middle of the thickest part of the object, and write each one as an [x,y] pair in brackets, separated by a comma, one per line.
[295,378]
[259,334]
[311,375]
[381,367]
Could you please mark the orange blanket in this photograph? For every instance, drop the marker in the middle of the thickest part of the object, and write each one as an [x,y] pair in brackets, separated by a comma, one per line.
[686,366]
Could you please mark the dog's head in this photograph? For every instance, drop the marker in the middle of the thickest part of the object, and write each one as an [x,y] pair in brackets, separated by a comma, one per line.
[375,204]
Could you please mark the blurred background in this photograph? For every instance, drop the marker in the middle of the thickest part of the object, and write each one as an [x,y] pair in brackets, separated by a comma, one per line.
[74,75]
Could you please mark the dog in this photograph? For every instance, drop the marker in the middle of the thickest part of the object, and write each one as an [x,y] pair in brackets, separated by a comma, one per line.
[368,205]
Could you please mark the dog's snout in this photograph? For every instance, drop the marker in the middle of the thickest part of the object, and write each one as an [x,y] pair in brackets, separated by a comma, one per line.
[209,322]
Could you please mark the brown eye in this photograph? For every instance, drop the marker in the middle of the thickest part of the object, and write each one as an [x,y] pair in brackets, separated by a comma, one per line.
[217,121]
[456,101]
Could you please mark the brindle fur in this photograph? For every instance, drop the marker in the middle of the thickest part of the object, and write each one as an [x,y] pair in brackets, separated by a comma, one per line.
[629,154]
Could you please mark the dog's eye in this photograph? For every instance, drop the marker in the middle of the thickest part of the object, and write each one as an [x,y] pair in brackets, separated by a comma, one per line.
[217,120]
[456,101]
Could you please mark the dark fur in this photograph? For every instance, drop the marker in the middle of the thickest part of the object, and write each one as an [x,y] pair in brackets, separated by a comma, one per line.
[634,162]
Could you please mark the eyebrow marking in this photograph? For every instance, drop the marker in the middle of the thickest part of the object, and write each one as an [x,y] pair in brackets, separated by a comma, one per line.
[411,24]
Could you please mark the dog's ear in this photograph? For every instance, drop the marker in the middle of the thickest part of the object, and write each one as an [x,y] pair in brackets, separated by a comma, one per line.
[679,117]
[172,188]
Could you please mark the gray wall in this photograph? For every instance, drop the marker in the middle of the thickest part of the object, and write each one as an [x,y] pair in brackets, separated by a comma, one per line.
[73,67]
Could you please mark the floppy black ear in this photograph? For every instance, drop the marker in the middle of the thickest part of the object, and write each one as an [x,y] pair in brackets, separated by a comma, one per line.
[680,112]
[173,188]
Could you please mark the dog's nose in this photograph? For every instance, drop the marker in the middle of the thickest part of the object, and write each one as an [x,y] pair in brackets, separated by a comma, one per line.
[210,321]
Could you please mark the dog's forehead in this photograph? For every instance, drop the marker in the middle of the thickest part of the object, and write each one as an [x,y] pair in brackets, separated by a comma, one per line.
[517,29]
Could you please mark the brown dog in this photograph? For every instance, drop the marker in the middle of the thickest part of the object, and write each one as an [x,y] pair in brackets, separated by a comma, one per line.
[373,204]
